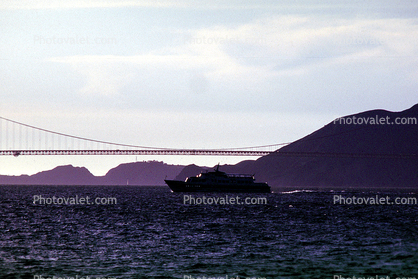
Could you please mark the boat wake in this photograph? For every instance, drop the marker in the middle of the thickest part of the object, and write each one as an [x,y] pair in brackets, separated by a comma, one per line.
[298,191]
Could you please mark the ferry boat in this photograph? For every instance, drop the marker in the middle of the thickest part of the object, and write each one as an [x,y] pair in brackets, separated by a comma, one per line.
[219,181]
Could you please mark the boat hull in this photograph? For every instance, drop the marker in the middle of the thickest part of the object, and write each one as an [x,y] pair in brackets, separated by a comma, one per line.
[182,186]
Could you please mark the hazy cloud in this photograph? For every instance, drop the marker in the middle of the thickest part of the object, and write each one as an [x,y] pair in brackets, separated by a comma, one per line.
[255,56]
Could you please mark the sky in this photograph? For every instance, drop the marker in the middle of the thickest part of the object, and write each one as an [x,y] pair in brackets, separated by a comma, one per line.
[199,74]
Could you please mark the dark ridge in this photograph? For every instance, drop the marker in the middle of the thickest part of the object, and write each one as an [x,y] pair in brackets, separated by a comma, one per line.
[349,172]
[138,173]
[190,170]
[141,173]
[287,171]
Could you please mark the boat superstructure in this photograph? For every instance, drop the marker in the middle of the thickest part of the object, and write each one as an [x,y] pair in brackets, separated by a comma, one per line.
[219,181]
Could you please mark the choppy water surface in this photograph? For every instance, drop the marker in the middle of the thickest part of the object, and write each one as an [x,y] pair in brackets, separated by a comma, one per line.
[150,233]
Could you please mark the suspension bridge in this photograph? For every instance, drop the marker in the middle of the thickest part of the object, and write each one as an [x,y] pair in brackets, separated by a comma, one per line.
[18,139]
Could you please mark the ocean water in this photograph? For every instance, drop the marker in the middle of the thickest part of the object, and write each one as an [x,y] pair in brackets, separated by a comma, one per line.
[151,233]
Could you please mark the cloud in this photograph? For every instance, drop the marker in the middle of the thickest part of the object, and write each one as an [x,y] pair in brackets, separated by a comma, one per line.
[287,6]
[80,4]
[260,63]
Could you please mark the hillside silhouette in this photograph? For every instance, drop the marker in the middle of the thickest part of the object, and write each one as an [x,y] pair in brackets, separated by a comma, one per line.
[385,155]
[337,137]
[137,173]
[343,171]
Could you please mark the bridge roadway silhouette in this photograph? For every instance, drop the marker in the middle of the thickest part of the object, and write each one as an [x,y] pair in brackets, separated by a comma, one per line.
[15,140]
[222,152]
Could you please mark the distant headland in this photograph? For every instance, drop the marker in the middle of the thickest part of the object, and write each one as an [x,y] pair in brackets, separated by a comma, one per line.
[376,148]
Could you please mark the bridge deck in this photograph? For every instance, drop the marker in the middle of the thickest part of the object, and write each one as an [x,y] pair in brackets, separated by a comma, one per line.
[136,152]
[204,152]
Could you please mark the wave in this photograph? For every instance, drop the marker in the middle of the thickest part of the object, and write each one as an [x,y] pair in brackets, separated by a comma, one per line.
[298,191]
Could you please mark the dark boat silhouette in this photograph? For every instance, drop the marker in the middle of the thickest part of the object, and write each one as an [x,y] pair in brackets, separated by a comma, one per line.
[219,181]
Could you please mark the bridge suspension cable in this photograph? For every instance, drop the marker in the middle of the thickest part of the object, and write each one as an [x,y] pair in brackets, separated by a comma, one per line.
[28,143]
[22,140]
[77,137]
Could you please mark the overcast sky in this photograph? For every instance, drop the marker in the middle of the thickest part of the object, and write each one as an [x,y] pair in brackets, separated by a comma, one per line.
[199,74]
